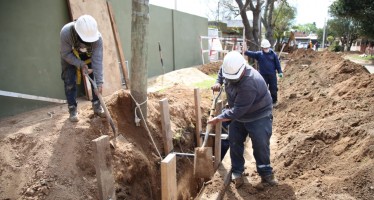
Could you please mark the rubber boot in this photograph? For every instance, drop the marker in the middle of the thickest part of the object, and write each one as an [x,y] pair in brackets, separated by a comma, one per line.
[73,114]
[98,110]
[270,179]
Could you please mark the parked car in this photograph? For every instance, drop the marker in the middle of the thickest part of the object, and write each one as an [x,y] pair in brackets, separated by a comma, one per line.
[302,45]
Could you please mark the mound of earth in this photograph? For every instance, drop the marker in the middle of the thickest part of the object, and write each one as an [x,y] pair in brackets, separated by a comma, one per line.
[323,133]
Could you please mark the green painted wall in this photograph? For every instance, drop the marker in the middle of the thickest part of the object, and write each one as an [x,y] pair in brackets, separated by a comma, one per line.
[30,61]
[29,37]
[187,31]
[177,32]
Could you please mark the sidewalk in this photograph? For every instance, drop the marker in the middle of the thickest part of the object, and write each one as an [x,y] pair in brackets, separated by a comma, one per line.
[369,65]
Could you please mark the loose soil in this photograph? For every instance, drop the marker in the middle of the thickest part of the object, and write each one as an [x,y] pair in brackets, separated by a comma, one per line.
[322,144]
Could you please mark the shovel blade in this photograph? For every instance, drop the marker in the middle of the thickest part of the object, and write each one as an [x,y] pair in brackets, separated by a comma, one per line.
[118,141]
[203,162]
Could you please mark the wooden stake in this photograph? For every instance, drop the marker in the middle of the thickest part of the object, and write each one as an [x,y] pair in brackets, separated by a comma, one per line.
[198,116]
[103,166]
[117,38]
[217,138]
[169,178]
[166,127]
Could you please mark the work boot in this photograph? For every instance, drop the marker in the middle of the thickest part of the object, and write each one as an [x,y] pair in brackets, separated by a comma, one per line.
[275,104]
[98,110]
[237,179]
[269,179]
[73,114]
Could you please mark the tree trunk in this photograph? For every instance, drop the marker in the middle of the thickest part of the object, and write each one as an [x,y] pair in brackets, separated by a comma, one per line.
[139,49]
[268,21]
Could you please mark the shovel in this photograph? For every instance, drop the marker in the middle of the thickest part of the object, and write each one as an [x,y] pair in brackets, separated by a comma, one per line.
[117,138]
[203,163]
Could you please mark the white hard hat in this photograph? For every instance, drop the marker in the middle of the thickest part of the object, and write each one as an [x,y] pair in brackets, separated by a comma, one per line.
[233,65]
[265,43]
[86,28]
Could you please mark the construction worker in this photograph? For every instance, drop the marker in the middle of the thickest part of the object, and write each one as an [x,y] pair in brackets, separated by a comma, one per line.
[81,50]
[250,114]
[269,65]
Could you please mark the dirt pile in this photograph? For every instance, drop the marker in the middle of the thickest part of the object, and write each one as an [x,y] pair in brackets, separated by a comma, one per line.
[325,122]
[210,68]
[323,133]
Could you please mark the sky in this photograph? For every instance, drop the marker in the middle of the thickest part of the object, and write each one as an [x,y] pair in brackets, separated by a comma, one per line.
[308,11]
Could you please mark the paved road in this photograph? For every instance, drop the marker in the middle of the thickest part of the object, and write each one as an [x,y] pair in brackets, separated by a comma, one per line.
[370,68]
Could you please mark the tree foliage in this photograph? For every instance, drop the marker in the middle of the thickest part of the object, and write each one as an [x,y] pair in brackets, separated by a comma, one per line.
[361,12]
[283,20]
[346,29]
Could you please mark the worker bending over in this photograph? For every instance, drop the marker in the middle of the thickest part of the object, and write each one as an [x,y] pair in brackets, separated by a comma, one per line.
[81,50]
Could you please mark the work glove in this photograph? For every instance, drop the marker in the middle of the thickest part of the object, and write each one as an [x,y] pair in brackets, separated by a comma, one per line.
[85,69]
[216,87]
[280,75]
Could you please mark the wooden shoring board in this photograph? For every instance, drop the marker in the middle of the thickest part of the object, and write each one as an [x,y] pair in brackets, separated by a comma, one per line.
[222,179]
[217,138]
[169,177]
[198,116]
[166,126]
[98,10]
[103,166]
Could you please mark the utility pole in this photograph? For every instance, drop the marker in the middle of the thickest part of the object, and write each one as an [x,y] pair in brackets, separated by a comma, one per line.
[323,35]
[139,51]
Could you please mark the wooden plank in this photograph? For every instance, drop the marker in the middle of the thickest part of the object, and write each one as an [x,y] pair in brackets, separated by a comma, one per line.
[217,138]
[166,127]
[117,39]
[198,116]
[98,10]
[103,166]
[169,177]
[32,97]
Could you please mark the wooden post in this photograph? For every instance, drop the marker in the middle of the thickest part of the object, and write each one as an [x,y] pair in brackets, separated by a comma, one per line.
[103,166]
[166,127]
[169,178]
[217,138]
[139,52]
[118,44]
[198,116]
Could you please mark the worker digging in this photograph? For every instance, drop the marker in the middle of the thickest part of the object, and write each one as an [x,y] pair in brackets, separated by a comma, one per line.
[81,51]
[241,102]
[250,113]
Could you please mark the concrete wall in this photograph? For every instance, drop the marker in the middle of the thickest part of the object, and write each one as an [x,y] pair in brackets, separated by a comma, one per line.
[29,37]
[30,61]
[177,32]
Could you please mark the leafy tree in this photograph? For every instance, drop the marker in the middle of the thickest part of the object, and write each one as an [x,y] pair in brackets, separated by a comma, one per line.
[284,18]
[346,29]
[360,12]
[330,39]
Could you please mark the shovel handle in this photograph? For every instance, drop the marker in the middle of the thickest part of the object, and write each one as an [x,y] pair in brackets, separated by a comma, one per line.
[109,118]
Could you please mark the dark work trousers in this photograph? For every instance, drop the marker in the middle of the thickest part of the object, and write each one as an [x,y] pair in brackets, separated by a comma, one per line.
[271,81]
[260,132]
[69,77]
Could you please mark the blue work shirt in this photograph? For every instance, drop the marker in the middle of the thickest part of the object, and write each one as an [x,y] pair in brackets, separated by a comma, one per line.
[248,99]
[268,62]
